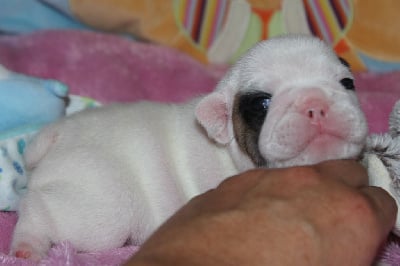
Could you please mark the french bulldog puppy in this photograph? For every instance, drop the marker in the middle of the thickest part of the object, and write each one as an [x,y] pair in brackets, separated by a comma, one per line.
[113,174]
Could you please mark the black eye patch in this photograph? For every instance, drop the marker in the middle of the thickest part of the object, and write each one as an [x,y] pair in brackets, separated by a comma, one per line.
[253,108]
[348,83]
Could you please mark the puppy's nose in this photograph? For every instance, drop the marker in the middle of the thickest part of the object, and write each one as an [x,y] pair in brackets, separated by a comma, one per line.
[316,113]
[315,109]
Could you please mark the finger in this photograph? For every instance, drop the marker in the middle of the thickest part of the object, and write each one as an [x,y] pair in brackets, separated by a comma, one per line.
[349,172]
[229,193]
[231,190]
[244,181]
[383,205]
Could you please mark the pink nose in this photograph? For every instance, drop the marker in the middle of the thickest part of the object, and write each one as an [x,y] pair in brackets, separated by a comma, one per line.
[316,113]
[316,110]
[313,104]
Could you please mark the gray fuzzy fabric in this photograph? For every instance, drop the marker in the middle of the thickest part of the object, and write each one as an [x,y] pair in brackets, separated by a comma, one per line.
[387,147]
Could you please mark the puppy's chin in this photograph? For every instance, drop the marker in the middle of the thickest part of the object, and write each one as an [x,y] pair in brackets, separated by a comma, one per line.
[319,149]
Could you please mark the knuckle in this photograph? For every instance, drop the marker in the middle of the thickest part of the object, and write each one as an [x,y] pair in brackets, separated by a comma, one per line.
[362,209]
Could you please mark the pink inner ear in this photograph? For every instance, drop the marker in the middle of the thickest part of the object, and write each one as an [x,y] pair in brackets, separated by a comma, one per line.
[212,113]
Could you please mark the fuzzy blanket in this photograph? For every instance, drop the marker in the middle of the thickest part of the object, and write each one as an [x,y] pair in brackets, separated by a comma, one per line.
[109,68]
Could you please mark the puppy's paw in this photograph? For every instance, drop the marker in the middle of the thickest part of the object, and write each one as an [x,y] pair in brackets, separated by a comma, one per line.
[26,251]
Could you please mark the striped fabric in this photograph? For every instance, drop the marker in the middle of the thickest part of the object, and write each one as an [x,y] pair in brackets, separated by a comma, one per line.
[202,19]
[328,19]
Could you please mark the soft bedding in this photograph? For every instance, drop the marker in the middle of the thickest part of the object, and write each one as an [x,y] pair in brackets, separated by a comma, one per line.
[105,68]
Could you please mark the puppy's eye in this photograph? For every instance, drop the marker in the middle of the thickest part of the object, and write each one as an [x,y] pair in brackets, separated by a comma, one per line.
[253,108]
[260,104]
[348,83]
[255,101]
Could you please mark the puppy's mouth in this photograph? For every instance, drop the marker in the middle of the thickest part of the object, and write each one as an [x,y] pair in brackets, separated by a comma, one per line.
[320,143]
[299,142]
[323,136]
[320,147]
[328,147]
[323,143]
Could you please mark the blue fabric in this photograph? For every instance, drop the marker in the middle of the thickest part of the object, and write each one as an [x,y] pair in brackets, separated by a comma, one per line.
[374,65]
[23,16]
[13,176]
[61,5]
[29,101]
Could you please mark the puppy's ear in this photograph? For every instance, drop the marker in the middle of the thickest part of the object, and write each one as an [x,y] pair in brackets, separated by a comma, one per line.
[213,114]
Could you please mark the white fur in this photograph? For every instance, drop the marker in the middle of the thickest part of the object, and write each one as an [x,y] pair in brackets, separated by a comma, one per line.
[110,174]
[115,173]
[302,74]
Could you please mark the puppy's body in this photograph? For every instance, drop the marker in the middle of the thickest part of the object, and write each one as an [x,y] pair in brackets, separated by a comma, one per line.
[86,189]
[113,174]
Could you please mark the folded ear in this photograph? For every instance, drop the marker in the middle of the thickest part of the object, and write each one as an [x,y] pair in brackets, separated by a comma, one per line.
[212,112]
[394,120]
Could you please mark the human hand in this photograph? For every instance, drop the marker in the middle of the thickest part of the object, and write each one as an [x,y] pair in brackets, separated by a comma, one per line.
[312,215]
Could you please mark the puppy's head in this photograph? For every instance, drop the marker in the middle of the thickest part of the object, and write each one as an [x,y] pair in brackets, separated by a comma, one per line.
[289,101]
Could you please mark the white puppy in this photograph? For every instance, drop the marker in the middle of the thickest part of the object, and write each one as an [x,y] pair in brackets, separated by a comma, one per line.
[112,174]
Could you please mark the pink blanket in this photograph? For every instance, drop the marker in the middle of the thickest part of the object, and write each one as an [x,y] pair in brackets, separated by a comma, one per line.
[110,68]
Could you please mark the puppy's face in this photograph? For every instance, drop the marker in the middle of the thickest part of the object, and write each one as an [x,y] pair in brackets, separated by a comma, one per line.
[289,101]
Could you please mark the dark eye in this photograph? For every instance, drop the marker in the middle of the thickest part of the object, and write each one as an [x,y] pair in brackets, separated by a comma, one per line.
[348,83]
[259,103]
[253,108]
